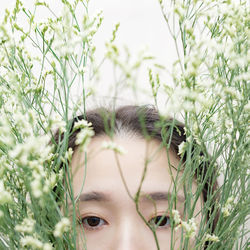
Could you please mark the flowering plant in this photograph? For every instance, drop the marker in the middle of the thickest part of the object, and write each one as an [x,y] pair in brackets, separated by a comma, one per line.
[210,92]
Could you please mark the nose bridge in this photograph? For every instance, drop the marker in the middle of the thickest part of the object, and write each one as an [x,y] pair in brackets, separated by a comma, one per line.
[132,234]
[126,235]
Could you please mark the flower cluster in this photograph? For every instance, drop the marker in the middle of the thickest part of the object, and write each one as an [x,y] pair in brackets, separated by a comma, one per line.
[211,237]
[227,208]
[190,227]
[34,243]
[5,196]
[113,146]
[35,103]
[61,227]
[27,226]
[83,138]
[176,217]
[82,124]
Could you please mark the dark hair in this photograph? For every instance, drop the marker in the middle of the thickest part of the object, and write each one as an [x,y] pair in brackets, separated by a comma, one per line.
[145,121]
[141,121]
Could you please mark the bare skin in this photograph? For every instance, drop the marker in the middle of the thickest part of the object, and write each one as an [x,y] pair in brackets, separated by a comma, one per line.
[106,210]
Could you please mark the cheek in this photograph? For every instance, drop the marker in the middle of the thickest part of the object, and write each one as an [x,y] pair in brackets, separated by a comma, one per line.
[164,240]
[93,241]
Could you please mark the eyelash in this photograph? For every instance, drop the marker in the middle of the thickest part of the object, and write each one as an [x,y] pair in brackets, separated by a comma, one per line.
[99,222]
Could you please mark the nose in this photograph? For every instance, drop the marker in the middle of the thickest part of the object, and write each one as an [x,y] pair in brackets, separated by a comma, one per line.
[131,236]
[127,237]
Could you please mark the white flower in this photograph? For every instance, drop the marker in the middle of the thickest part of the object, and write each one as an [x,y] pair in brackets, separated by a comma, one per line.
[5,196]
[35,147]
[247,107]
[226,210]
[232,92]
[69,154]
[4,165]
[29,241]
[209,237]
[58,123]
[82,69]
[180,9]
[190,227]
[82,124]
[50,182]
[33,117]
[47,246]
[182,148]
[6,135]
[83,138]
[113,146]
[61,227]
[22,124]
[182,98]
[26,226]
[176,217]
[36,186]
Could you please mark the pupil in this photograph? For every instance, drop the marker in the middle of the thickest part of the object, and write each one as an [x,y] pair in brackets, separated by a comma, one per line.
[164,221]
[93,221]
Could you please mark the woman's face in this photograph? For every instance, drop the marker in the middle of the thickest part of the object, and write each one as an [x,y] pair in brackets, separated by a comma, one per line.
[107,212]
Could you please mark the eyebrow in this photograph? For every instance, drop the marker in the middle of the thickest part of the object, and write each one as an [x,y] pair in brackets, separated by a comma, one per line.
[145,197]
[160,196]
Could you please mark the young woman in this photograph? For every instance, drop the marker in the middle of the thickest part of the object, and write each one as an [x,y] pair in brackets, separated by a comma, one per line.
[131,187]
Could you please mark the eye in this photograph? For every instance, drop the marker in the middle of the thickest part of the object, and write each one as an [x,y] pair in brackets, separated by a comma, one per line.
[160,221]
[92,222]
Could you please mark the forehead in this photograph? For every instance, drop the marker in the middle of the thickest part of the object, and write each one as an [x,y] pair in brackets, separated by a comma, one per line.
[102,169]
